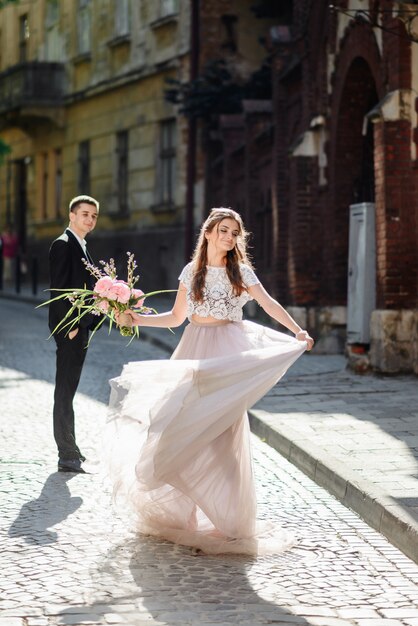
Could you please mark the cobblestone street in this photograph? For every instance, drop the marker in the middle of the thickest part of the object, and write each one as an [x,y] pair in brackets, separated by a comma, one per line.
[68,558]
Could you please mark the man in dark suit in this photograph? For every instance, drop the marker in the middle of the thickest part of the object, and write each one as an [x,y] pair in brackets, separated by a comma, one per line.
[67,270]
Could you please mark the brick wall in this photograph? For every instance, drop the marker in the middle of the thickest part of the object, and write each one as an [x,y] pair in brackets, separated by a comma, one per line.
[366,160]
[396,217]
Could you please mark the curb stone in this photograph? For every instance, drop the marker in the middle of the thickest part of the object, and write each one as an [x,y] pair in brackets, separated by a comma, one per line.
[370,503]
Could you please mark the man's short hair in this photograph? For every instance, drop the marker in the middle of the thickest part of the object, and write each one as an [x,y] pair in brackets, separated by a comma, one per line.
[75,202]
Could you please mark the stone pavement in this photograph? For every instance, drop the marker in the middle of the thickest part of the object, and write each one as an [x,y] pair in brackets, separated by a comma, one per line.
[68,557]
[355,435]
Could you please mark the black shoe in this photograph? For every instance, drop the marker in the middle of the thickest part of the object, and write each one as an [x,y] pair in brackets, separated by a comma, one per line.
[71,465]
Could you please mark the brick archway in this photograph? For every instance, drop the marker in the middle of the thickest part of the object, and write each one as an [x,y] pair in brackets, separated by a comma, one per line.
[357,89]
[359,41]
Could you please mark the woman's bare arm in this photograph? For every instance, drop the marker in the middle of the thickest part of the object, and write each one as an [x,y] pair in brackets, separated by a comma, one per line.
[278,313]
[169,319]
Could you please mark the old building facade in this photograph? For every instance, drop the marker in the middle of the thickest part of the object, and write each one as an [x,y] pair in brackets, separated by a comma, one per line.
[82,108]
[301,116]
[325,171]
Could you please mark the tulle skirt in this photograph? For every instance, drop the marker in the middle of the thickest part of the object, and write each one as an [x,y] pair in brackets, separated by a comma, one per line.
[178,439]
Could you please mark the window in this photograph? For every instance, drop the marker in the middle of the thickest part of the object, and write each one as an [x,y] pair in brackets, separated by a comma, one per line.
[52,12]
[167,163]
[122,21]
[122,169]
[230,33]
[168,7]
[53,47]
[45,186]
[84,27]
[58,182]
[263,228]
[23,38]
[281,12]
[84,167]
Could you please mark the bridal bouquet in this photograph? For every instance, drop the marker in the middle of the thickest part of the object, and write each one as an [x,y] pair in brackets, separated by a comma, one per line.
[108,297]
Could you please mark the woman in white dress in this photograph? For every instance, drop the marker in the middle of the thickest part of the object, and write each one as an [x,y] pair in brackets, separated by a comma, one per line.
[178,429]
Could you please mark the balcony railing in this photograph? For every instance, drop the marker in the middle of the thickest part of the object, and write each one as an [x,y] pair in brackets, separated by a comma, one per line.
[32,84]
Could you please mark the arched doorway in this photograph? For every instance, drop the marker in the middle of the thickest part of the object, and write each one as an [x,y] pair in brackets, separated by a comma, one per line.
[353,163]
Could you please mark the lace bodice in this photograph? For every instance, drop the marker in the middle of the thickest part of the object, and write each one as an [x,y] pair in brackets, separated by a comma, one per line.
[219,300]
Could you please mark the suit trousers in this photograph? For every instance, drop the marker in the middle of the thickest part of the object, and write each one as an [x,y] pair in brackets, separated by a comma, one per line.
[71,354]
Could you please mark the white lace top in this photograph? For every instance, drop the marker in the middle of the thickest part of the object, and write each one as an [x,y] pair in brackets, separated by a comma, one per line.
[219,300]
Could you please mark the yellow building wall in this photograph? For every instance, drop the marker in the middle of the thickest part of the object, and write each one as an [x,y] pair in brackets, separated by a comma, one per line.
[102,99]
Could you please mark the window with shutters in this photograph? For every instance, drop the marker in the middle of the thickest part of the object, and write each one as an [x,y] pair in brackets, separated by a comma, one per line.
[84,27]
[84,167]
[166,177]
[122,146]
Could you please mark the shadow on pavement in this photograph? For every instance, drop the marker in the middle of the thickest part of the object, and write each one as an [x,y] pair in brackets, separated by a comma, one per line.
[172,586]
[410,504]
[54,504]
[144,577]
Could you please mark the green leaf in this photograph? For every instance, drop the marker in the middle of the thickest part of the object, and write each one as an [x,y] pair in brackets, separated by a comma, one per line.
[93,332]
[3,3]
[85,303]
[5,149]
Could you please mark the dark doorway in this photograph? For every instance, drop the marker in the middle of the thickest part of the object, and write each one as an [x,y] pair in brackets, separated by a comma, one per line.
[353,164]
[363,186]
[21,203]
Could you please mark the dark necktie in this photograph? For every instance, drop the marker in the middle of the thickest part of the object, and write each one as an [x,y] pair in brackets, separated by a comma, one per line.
[88,257]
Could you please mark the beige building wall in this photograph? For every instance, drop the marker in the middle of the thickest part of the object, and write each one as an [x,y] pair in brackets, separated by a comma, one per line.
[117,55]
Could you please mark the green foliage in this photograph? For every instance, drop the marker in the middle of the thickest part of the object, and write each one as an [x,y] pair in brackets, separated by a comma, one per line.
[5,149]
[3,3]
[215,91]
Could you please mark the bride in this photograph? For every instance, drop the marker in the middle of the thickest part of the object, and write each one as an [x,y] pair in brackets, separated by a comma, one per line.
[178,434]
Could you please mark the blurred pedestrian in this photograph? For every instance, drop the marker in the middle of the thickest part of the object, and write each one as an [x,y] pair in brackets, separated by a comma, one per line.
[178,432]
[67,270]
[10,249]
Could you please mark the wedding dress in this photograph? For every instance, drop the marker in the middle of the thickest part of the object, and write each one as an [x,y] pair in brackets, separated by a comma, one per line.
[178,438]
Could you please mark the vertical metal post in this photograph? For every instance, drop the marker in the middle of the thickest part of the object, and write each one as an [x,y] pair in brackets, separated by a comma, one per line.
[192,133]
[1,265]
[34,275]
[8,192]
[18,274]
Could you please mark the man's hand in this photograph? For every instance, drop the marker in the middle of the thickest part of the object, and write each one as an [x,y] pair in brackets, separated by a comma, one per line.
[72,333]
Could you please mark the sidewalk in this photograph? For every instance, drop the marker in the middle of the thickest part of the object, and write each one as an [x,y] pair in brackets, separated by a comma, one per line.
[357,436]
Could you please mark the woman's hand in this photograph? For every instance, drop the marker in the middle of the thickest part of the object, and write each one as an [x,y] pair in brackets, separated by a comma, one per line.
[303,335]
[125,318]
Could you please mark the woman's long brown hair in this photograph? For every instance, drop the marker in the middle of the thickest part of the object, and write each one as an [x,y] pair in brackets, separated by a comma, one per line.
[233,257]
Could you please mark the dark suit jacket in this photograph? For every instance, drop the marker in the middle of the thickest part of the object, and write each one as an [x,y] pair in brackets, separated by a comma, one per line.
[68,271]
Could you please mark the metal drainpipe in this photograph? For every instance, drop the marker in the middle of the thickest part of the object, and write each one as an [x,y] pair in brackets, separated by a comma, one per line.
[192,135]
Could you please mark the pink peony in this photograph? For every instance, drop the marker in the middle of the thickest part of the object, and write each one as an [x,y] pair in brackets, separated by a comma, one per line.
[137,293]
[103,286]
[103,306]
[120,292]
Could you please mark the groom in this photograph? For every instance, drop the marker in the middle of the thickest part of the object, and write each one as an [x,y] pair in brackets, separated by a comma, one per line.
[67,271]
